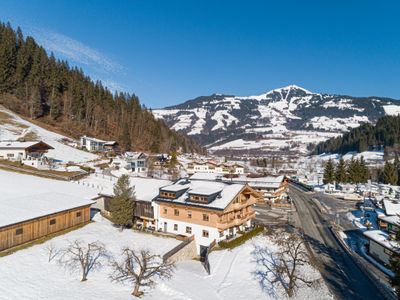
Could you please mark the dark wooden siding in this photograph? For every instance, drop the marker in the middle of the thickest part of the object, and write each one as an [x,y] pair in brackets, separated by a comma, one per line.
[40,227]
[144,209]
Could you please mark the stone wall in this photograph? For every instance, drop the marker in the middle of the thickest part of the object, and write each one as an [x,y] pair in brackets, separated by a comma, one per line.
[186,250]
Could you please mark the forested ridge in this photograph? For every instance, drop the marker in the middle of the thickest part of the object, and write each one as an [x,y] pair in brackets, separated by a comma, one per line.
[43,88]
[385,133]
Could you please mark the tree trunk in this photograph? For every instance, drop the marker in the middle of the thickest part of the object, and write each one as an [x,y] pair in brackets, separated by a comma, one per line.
[136,291]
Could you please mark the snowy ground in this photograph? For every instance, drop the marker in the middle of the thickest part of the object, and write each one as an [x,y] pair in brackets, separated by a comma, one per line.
[232,277]
[27,274]
[16,127]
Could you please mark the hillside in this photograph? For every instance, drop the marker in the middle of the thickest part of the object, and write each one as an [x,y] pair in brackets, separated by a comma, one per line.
[385,133]
[43,88]
[285,119]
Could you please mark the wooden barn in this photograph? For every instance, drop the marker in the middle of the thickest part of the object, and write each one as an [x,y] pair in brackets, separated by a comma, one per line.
[28,218]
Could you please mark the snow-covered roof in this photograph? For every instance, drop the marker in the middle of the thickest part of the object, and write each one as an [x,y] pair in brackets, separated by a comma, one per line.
[146,189]
[206,176]
[395,220]
[227,192]
[17,210]
[94,139]
[135,155]
[205,190]
[392,207]
[19,144]
[262,182]
[382,238]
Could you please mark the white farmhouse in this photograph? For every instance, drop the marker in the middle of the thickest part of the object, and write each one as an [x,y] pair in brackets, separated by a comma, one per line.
[29,153]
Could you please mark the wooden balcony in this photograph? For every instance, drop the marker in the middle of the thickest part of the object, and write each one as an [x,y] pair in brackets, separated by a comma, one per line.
[224,224]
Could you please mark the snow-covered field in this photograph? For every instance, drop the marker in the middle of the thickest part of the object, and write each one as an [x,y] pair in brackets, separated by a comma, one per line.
[16,127]
[27,274]
[280,138]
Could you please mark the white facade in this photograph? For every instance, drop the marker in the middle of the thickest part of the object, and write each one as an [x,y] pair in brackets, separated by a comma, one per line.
[179,227]
[12,154]
[92,144]
[210,167]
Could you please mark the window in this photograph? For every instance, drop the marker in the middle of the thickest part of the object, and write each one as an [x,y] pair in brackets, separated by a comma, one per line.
[165,210]
[189,214]
[205,233]
[176,227]
[221,234]
[78,214]
[188,229]
[52,221]
[19,231]
[206,217]
[176,212]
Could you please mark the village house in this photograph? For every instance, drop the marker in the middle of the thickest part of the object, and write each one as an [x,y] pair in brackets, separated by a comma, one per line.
[28,218]
[136,162]
[381,245]
[212,167]
[210,211]
[29,153]
[96,145]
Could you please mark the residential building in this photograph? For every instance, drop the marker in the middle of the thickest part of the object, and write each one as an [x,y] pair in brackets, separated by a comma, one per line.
[211,211]
[212,167]
[27,218]
[96,145]
[381,246]
[29,153]
[136,162]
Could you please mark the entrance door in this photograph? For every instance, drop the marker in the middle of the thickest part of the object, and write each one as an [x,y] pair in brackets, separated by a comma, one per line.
[165,226]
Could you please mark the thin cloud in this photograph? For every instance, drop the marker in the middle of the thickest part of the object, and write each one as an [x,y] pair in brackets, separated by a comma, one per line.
[62,45]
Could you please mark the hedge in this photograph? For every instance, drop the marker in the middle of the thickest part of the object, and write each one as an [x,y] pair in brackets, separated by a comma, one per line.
[242,239]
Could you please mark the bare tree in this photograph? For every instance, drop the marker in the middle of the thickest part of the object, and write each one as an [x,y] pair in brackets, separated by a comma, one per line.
[140,268]
[77,256]
[284,266]
[52,252]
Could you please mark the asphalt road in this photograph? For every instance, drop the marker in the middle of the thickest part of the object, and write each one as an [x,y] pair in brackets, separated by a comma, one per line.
[342,275]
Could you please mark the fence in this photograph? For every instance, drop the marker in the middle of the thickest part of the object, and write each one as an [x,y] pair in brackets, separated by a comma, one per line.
[43,173]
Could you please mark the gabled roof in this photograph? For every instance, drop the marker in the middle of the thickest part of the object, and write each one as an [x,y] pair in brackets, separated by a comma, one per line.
[383,239]
[17,210]
[392,207]
[23,145]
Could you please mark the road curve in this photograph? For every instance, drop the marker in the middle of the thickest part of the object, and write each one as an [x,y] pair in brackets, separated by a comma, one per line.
[340,272]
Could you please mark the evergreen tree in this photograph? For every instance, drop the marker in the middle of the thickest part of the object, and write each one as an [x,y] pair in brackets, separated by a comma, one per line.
[364,172]
[340,173]
[389,175]
[42,86]
[329,172]
[122,205]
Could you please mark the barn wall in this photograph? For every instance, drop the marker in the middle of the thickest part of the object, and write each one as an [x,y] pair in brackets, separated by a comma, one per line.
[40,227]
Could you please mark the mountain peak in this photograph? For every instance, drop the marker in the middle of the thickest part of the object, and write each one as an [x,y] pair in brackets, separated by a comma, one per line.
[290,88]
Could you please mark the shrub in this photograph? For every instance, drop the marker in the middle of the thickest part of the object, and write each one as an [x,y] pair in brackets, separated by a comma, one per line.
[242,239]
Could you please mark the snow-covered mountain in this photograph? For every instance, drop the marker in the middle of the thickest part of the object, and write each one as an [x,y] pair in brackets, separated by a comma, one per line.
[287,118]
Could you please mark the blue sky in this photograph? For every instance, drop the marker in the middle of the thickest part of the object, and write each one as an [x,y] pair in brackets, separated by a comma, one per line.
[170,51]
